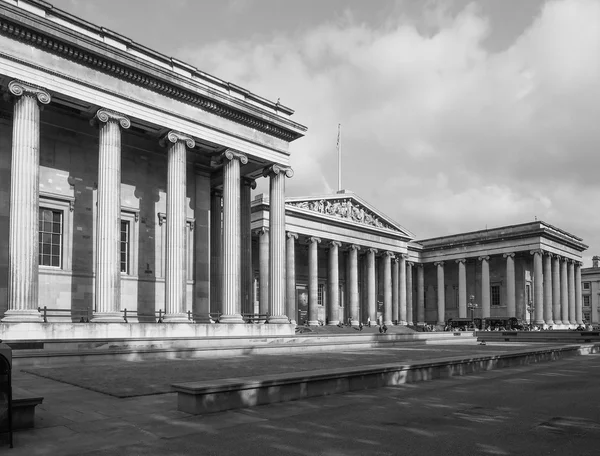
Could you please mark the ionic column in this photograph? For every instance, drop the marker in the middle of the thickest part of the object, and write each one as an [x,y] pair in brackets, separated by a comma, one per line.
[371,286]
[313,281]
[263,271]
[290,269]
[548,289]
[538,295]
[571,285]
[401,273]
[462,288]
[564,292]
[511,304]
[247,185]
[277,175]
[395,309]
[485,286]
[556,294]
[108,221]
[409,293]
[176,277]
[353,279]
[333,285]
[23,239]
[578,301]
[387,288]
[216,259]
[420,294]
[441,298]
[232,161]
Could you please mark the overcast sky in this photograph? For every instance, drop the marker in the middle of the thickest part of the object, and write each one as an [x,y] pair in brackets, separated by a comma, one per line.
[455,115]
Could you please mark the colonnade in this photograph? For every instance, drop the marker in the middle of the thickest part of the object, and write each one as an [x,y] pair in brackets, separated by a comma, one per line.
[226,240]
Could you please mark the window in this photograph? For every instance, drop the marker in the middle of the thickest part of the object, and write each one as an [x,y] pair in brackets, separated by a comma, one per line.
[586,300]
[320,293]
[495,295]
[586,317]
[587,285]
[124,246]
[50,237]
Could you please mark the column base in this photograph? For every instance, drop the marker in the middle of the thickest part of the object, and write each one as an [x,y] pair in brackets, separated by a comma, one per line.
[388,323]
[22,316]
[402,323]
[278,319]
[354,323]
[293,322]
[538,322]
[107,317]
[231,319]
[557,323]
[176,318]
[548,324]
[313,322]
[333,322]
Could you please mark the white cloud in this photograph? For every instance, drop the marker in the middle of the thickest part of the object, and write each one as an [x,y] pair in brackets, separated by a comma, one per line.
[440,133]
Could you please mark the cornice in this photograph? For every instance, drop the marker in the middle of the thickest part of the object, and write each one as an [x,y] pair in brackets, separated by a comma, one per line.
[80,55]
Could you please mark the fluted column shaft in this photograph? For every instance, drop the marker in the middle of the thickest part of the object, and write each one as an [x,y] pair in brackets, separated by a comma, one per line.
[108,221]
[333,279]
[401,274]
[23,242]
[462,288]
[578,301]
[313,281]
[216,241]
[371,286]
[511,304]
[176,277]
[538,290]
[387,288]
[395,303]
[263,271]
[409,293]
[556,295]
[548,289]
[564,292]
[291,276]
[441,293]
[571,285]
[247,278]
[420,295]
[231,236]
[353,279]
[485,286]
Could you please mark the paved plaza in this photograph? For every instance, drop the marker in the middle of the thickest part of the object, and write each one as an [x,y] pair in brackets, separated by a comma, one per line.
[553,404]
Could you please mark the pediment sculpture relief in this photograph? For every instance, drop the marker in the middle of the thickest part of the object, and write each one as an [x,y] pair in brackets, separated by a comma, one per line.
[344,209]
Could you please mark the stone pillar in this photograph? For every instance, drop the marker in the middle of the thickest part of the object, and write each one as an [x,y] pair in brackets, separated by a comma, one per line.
[108,220]
[538,297]
[485,286]
[232,161]
[371,286]
[556,295]
[401,273]
[277,175]
[23,238]
[216,260]
[441,293]
[462,288]
[571,285]
[247,278]
[387,288]
[313,281]
[548,289]
[263,271]
[578,300]
[420,294]
[511,304]
[409,293]
[333,285]
[395,303]
[353,279]
[202,260]
[564,292]
[176,277]
[290,269]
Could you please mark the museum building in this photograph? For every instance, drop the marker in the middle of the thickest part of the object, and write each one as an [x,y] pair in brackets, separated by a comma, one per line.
[126,183]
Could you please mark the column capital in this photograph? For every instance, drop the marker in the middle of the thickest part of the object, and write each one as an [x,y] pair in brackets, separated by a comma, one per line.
[231,154]
[291,235]
[536,251]
[262,230]
[216,192]
[484,258]
[548,254]
[313,239]
[461,260]
[410,263]
[389,253]
[275,169]
[372,250]
[354,247]
[420,265]
[438,263]
[335,243]
[174,137]
[106,115]
[162,218]
[249,182]
[510,254]
[20,88]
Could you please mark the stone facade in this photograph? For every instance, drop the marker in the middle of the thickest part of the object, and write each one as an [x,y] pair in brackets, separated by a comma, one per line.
[590,290]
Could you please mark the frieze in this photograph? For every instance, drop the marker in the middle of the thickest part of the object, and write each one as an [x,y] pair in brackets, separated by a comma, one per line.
[344,209]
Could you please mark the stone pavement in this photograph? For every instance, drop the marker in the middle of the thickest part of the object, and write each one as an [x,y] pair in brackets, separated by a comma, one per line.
[76,421]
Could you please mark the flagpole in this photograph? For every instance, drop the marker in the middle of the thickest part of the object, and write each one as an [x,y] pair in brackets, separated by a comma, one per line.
[339,146]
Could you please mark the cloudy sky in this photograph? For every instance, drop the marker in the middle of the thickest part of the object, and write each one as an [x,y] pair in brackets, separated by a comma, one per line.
[455,115]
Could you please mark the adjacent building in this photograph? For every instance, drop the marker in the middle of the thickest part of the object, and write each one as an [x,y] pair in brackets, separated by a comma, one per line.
[590,289]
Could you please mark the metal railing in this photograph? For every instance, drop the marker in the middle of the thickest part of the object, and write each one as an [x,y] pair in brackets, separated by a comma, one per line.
[82,314]
[158,315]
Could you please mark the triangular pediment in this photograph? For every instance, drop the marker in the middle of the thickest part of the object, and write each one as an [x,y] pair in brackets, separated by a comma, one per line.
[347,207]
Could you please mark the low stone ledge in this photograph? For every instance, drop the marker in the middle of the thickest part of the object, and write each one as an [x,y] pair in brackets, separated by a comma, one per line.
[23,409]
[226,394]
